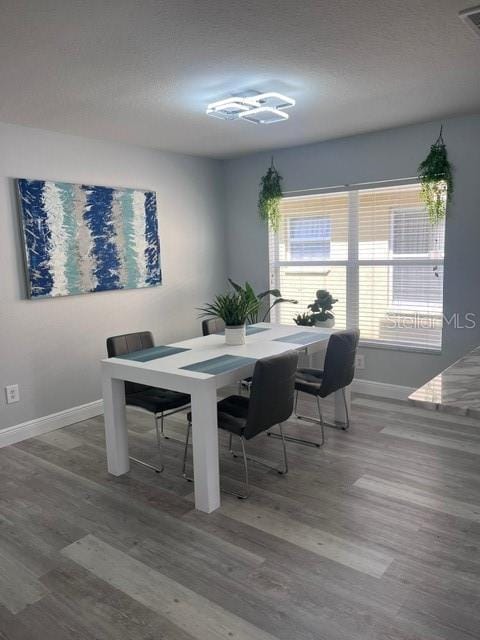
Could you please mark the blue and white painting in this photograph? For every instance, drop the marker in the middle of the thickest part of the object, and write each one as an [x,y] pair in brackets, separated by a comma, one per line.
[82,238]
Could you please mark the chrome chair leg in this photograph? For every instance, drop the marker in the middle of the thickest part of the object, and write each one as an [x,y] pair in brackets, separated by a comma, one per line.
[146,464]
[341,427]
[246,493]
[266,464]
[320,422]
[185,454]
[245,464]
[155,417]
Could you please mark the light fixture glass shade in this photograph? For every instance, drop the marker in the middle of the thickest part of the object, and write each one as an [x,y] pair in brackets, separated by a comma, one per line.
[262,108]
[271,99]
[263,115]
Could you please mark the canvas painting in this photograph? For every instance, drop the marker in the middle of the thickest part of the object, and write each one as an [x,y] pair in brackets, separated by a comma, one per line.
[81,238]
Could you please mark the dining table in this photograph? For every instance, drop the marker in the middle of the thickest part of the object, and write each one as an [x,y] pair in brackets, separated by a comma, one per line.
[200,367]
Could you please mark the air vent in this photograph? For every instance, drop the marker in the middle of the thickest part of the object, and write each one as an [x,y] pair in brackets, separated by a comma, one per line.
[472,18]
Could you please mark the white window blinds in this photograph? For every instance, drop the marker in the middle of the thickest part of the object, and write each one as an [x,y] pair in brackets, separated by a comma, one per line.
[373,249]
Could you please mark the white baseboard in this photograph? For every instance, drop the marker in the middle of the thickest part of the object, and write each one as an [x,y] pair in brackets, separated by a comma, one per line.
[381,389]
[37,426]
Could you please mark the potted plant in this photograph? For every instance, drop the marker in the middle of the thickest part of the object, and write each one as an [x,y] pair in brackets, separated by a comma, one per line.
[257,300]
[321,309]
[233,308]
[304,320]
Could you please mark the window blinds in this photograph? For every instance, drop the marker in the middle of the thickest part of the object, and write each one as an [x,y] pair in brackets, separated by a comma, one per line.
[375,250]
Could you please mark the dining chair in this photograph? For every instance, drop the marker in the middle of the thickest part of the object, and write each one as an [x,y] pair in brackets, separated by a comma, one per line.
[212,325]
[157,402]
[270,403]
[337,373]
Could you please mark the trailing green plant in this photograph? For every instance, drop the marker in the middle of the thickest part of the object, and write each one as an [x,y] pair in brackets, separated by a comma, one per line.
[257,300]
[304,320]
[322,305]
[270,196]
[233,308]
[436,179]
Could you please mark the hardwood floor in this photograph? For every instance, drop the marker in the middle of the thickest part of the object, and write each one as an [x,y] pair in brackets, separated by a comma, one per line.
[374,537]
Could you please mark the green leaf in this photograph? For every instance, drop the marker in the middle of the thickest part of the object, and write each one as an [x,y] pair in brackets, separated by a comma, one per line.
[236,286]
[270,292]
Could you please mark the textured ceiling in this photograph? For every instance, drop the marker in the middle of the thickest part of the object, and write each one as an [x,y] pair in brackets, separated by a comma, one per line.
[143,71]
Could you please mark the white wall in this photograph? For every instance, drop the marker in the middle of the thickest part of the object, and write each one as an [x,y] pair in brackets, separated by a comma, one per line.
[51,348]
[386,155]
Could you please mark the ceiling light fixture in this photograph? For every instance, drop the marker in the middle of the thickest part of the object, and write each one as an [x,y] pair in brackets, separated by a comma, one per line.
[263,115]
[262,108]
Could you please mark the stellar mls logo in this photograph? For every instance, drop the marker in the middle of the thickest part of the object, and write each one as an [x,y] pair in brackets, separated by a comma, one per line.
[420,321]
[461,321]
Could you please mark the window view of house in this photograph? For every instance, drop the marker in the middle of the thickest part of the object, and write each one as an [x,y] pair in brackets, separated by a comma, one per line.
[373,249]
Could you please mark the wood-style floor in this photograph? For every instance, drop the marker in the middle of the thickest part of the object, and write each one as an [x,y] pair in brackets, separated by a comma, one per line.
[376,537]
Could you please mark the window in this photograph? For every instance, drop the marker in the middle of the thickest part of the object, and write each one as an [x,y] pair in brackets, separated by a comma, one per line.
[309,238]
[376,251]
[414,236]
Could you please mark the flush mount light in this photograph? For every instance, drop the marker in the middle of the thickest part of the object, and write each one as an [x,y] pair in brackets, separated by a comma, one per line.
[261,108]
[228,109]
[263,115]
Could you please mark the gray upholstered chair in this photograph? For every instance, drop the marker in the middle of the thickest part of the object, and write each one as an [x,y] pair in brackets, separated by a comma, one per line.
[270,403]
[337,374]
[212,325]
[157,402]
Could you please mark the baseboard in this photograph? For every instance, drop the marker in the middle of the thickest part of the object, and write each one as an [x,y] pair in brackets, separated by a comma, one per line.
[36,427]
[381,389]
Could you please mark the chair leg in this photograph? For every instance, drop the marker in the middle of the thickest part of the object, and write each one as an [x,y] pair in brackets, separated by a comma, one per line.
[264,463]
[241,496]
[155,417]
[341,427]
[185,454]
[147,464]
[347,413]
[246,493]
[245,464]
[320,422]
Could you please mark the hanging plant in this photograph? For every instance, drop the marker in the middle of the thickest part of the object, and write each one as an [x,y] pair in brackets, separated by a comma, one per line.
[435,174]
[270,196]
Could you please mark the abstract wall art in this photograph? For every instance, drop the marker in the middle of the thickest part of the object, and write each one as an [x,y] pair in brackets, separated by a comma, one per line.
[81,238]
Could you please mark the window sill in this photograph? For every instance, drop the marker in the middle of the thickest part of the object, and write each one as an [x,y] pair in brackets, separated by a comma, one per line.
[372,344]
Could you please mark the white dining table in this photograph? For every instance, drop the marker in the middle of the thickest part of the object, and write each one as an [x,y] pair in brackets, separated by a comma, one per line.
[211,364]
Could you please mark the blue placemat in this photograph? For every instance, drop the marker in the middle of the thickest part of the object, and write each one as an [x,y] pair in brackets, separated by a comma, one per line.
[251,330]
[220,364]
[303,337]
[152,354]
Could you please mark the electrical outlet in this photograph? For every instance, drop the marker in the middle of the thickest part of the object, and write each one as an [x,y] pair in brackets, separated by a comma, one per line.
[360,361]
[13,393]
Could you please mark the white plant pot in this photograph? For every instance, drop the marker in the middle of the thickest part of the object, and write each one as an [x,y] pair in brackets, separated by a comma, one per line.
[235,336]
[326,324]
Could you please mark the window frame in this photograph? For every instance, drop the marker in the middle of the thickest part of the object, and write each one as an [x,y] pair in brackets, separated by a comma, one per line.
[352,263]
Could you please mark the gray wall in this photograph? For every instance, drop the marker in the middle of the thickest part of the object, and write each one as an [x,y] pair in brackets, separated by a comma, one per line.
[51,348]
[385,155]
